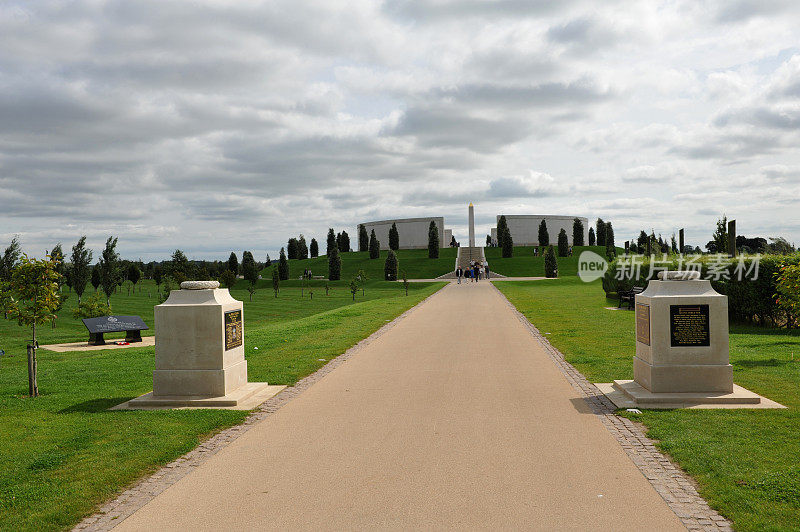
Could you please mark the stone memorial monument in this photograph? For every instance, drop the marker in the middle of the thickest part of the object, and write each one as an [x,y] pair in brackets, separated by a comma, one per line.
[199,359]
[681,349]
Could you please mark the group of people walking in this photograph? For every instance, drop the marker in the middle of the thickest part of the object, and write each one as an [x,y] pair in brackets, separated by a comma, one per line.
[475,272]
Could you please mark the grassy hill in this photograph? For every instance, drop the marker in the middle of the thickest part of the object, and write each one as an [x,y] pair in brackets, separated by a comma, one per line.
[414,261]
[524,264]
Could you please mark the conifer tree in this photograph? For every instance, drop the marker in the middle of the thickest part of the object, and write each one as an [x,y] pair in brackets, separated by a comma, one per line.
[592,240]
[502,230]
[563,243]
[334,265]
[601,232]
[550,263]
[314,249]
[344,242]
[390,267]
[544,235]
[577,232]
[283,266]
[394,238]
[611,250]
[233,264]
[433,241]
[276,281]
[291,249]
[374,246]
[302,248]
[109,268]
[331,241]
[363,238]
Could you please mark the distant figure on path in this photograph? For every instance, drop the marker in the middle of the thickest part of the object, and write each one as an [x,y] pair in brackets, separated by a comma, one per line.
[486,268]
[459,273]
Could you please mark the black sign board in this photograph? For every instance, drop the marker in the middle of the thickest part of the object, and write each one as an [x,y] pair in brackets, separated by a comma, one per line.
[233,329]
[132,325]
[689,326]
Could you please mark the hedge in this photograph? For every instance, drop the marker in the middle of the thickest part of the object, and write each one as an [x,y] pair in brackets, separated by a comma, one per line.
[749,300]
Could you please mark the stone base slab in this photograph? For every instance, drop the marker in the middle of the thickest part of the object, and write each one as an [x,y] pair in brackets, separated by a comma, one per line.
[204,382]
[629,394]
[147,341]
[691,378]
[247,397]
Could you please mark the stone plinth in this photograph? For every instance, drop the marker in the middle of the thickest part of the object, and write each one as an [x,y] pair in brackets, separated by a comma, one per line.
[682,350]
[682,338]
[199,353]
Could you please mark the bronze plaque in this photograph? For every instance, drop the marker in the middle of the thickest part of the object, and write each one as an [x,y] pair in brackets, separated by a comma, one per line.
[643,323]
[688,326]
[233,329]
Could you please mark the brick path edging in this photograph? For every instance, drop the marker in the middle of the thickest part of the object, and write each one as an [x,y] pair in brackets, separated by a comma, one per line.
[668,479]
[129,501]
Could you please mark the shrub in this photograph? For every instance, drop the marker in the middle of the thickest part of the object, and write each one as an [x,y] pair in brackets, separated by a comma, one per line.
[544,236]
[577,232]
[433,241]
[788,292]
[390,267]
[563,244]
[749,300]
[550,263]
[374,246]
[334,265]
[92,307]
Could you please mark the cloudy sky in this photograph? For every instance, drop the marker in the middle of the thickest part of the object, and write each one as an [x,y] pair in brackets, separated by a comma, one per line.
[230,125]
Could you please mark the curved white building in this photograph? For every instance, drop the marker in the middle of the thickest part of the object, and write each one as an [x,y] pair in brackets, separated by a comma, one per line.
[524,228]
[413,232]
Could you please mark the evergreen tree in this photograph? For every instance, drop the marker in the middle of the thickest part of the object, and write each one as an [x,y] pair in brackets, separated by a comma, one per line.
[291,249]
[394,238]
[233,264]
[642,242]
[344,243]
[331,241]
[283,266]
[390,267]
[508,243]
[268,262]
[433,241]
[601,232]
[374,246]
[314,249]
[577,232]
[502,230]
[179,267]
[544,236]
[334,265]
[592,240]
[563,243]
[550,263]
[363,238]
[339,242]
[609,236]
[81,266]
[302,248]
[109,268]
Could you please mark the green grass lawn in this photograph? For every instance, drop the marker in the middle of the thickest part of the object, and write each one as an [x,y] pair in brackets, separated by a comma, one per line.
[747,462]
[523,264]
[64,453]
[414,261]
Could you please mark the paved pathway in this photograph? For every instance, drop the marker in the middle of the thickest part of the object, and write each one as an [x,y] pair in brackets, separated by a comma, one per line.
[455,418]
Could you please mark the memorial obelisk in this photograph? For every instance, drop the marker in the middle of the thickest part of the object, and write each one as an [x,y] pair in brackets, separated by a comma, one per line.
[471,226]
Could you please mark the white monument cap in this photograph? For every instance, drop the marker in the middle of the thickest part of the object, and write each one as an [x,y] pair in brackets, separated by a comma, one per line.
[199,285]
[674,276]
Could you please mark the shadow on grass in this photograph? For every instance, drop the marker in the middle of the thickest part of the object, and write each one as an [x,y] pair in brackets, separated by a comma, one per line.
[95,405]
